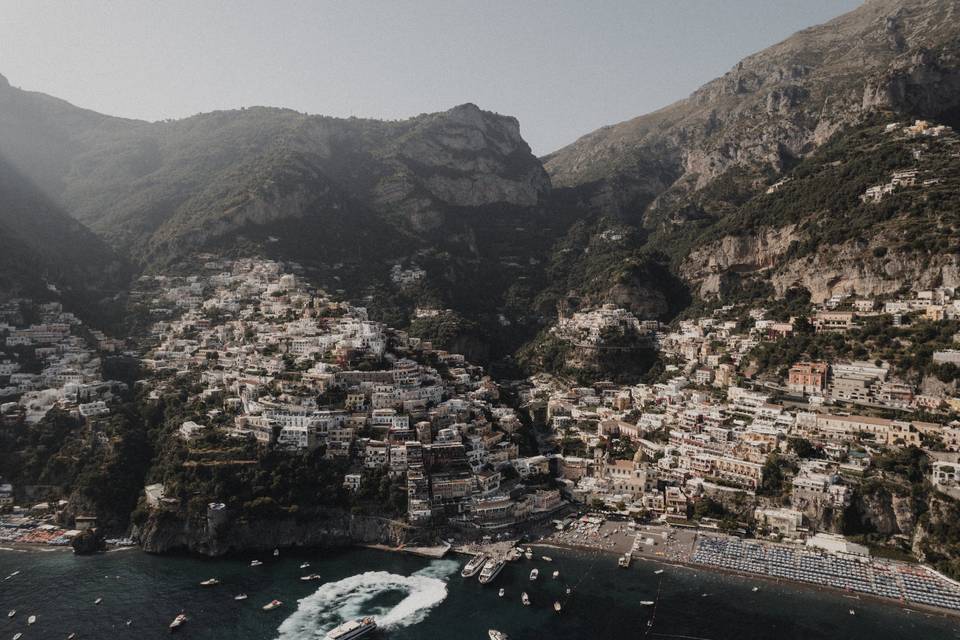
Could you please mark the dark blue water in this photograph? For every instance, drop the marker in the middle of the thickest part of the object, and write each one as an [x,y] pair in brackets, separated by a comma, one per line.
[423,600]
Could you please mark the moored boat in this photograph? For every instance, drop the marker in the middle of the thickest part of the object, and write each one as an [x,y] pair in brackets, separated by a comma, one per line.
[528,554]
[352,629]
[534,574]
[491,569]
[547,558]
[305,565]
[624,560]
[474,565]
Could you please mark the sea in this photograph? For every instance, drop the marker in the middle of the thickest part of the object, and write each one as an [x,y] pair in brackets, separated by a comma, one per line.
[414,598]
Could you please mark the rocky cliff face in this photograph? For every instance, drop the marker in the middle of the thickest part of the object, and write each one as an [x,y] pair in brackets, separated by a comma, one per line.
[164,532]
[850,268]
[772,107]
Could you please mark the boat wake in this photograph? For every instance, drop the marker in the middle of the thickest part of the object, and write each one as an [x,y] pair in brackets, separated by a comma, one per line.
[353,597]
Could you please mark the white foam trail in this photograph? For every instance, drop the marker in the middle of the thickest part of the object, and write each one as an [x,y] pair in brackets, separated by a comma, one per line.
[335,602]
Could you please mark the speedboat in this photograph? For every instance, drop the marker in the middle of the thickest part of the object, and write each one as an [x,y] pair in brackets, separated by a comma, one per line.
[273,604]
[212,582]
[525,599]
[276,553]
[312,576]
[528,554]
[852,612]
[497,635]
[755,589]
[547,558]
[557,607]
[491,570]
[658,572]
[17,636]
[534,574]
[352,629]
[647,603]
[476,563]
[12,613]
[32,620]
[502,592]
[240,596]
[255,563]
[305,565]
[178,622]
[98,601]
[556,574]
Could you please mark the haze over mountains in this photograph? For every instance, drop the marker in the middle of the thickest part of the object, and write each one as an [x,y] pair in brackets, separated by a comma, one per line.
[501,235]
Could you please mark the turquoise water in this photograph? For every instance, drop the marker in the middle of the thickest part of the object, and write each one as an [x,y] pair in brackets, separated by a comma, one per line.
[423,600]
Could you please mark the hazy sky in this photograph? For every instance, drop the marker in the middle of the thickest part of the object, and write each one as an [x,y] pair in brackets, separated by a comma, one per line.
[563,68]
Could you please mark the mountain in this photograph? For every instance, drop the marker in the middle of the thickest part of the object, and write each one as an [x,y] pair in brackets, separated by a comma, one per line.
[771,109]
[47,255]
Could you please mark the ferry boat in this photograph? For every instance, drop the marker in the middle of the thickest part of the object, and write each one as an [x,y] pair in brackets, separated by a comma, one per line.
[178,622]
[557,606]
[476,563]
[352,629]
[212,582]
[534,574]
[755,589]
[624,560]
[497,635]
[525,599]
[240,596]
[273,604]
[491,570]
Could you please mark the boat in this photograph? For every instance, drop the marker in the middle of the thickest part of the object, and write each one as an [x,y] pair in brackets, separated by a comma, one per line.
[852,612]
[658,572]
[98,601]
[534,574]
[305,565]
[240,596]
[273,604]
[625,560]
[557,607]
[12,613]
[547,558]
[497,635]
[352,629]
[129,622]
[556,574]
[525,599]
[528,554]
[491,570]
[312,576]
[568,590]
[17,636]
[276,553]
[178,622]
[71,636]
[647,603]
[212,582]
[755,589]
[502,592]
[255,563]
[15,573]
[32,620]
[476,563]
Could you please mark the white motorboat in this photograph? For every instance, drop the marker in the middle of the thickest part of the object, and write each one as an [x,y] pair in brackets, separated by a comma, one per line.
[491,570]
[557,606]
[273,604]
[32,620]
[98,601]
[352,629]
[17,636]
[497,635]
[556,574]
[178,622]
[305,565]
[255,563]
[240,596]
[534,574]
[311,577]
[502,592]
[12,613]
[474,565]
[525,599]
[547,558]
[211,582]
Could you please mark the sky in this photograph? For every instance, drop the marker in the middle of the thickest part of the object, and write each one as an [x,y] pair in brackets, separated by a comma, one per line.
[563,68]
